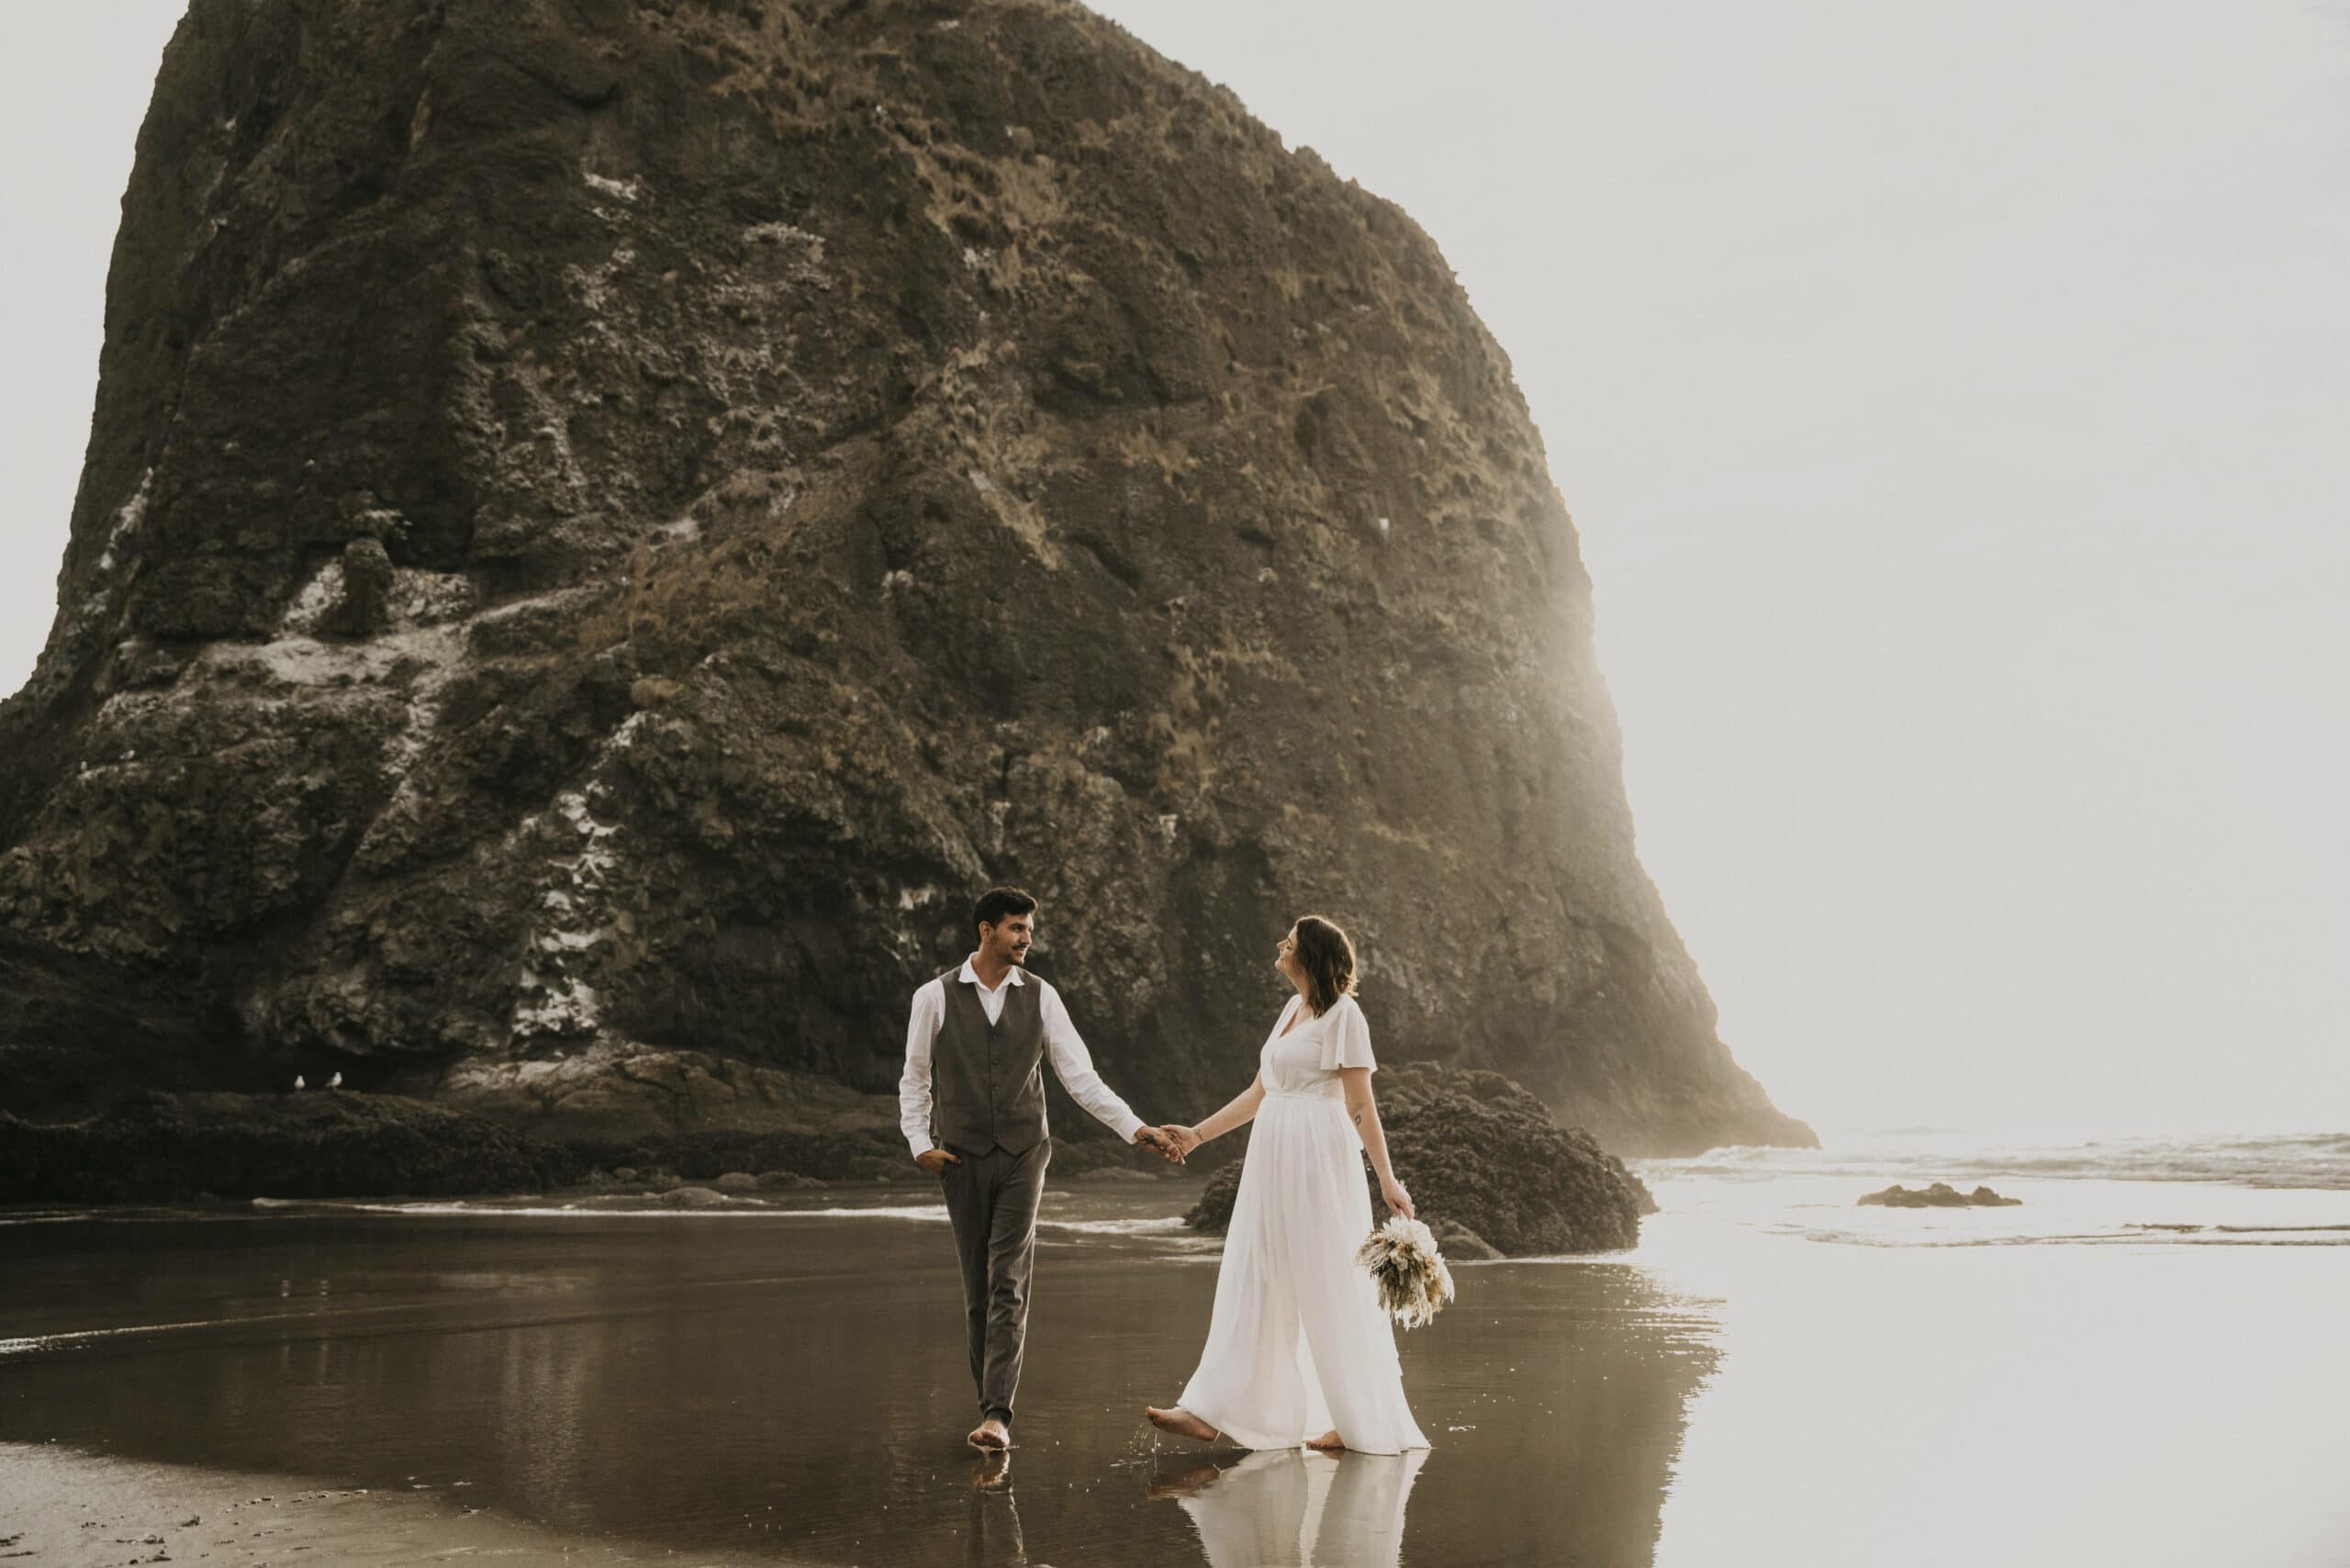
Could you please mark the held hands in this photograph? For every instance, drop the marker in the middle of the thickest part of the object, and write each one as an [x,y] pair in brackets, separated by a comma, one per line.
[1184,1140]
[1398,1201]
[1157,1141]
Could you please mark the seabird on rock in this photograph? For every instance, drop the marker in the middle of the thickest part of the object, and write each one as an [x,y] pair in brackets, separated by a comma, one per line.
[298,1084]
[335,1082]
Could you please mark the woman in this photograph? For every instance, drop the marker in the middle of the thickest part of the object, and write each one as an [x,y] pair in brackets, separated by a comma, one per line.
[1297,1345]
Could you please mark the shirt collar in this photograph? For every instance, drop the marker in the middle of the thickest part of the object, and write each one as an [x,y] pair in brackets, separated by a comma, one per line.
[971,976]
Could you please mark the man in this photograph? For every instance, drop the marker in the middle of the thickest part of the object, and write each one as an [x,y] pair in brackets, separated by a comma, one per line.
[971,1103]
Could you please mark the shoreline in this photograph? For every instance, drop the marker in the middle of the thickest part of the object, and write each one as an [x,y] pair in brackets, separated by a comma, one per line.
[156,1146]
[606,1199]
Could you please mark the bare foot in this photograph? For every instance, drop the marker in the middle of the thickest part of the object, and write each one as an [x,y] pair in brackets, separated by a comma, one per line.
[991,1433]
[1328,1442]
[1180,1422]
[994,1474]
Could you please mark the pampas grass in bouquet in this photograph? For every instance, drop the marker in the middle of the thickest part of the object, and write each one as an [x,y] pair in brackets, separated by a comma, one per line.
[1413,1284]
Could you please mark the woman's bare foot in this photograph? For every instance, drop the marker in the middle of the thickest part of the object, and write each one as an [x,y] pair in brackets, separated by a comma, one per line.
[1328,1442]
[1180,1422]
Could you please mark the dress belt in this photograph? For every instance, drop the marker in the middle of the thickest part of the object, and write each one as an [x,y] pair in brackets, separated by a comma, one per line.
[1337,1099]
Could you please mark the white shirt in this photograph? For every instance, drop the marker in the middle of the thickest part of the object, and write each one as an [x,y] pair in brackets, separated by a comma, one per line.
[1072,1064]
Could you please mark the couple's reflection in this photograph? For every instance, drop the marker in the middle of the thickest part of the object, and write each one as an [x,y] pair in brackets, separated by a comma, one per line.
[1297,1506]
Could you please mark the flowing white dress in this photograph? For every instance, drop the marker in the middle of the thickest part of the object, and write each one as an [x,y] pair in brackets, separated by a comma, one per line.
[1297,1344]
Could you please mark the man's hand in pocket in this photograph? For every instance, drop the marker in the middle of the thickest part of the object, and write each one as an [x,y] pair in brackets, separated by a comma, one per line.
[937,1160]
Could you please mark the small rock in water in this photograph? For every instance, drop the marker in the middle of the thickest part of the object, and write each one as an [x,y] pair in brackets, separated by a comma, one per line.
[789,1180]
[691,1198]
[1940,1195]
[736,1182]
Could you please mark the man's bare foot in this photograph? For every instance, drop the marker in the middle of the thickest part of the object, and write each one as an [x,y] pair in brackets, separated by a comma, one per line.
[991,1433]
[1328,1442]
[1180,1422]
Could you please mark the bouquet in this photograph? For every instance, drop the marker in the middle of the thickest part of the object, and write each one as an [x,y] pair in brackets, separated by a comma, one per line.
[1413,1284]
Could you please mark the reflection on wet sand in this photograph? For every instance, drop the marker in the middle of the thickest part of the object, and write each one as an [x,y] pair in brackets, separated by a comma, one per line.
[1289,1507]
[795,1390]
[992,1537]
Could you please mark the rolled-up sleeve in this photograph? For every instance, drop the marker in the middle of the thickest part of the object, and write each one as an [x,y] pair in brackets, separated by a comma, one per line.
[1073,1065]
[928,1014]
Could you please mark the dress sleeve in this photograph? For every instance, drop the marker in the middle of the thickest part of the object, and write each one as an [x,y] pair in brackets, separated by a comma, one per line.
[1345,1040]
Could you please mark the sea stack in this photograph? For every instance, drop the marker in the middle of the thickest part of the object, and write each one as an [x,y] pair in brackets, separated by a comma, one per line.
[607,523]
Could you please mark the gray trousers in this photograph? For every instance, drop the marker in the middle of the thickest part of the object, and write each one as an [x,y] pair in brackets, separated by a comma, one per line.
[991,1200]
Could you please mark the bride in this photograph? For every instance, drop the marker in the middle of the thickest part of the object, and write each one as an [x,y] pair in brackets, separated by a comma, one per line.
[1298,1349]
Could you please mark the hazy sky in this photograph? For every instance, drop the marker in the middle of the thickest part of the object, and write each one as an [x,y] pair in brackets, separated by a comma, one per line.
[1954,401]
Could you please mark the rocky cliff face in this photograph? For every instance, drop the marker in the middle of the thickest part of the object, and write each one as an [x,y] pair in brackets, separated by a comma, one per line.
[608,521]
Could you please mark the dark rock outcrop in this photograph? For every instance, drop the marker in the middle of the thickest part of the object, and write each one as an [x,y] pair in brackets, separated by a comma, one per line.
[693,1198]
[606,524]
[158,1147]
[1489,1169]
[1940,1195]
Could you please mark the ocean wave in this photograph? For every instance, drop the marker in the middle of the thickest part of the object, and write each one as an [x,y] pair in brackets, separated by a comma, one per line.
[931,1213]
[735,1208]
[1166,1225]
[2280,1160]
[2127,1235]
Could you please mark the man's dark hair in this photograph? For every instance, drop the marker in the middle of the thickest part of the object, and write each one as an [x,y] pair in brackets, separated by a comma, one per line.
[997,903]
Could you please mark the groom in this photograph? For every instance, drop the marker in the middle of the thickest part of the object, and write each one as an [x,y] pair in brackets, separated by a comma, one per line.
[971,1103]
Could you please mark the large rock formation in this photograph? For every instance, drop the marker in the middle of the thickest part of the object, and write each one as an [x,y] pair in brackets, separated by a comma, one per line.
[606,522]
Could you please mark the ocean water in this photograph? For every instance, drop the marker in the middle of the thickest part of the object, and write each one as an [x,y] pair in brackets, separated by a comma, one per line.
[2234,1189]
[2143,1362]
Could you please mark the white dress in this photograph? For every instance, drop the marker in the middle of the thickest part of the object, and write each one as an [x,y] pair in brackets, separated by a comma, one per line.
[1297,1344]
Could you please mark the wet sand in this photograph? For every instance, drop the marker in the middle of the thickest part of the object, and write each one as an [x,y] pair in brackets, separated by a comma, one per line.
[794,1389]
[790,1387]
[69,1509]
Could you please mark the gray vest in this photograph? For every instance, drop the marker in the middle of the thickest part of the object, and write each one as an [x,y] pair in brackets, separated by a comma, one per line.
[987,1081]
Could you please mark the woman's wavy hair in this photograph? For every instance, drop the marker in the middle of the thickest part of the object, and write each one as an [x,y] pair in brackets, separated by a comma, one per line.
[1328,961]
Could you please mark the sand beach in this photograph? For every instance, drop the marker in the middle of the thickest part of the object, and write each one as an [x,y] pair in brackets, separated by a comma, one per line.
[2117,1368]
